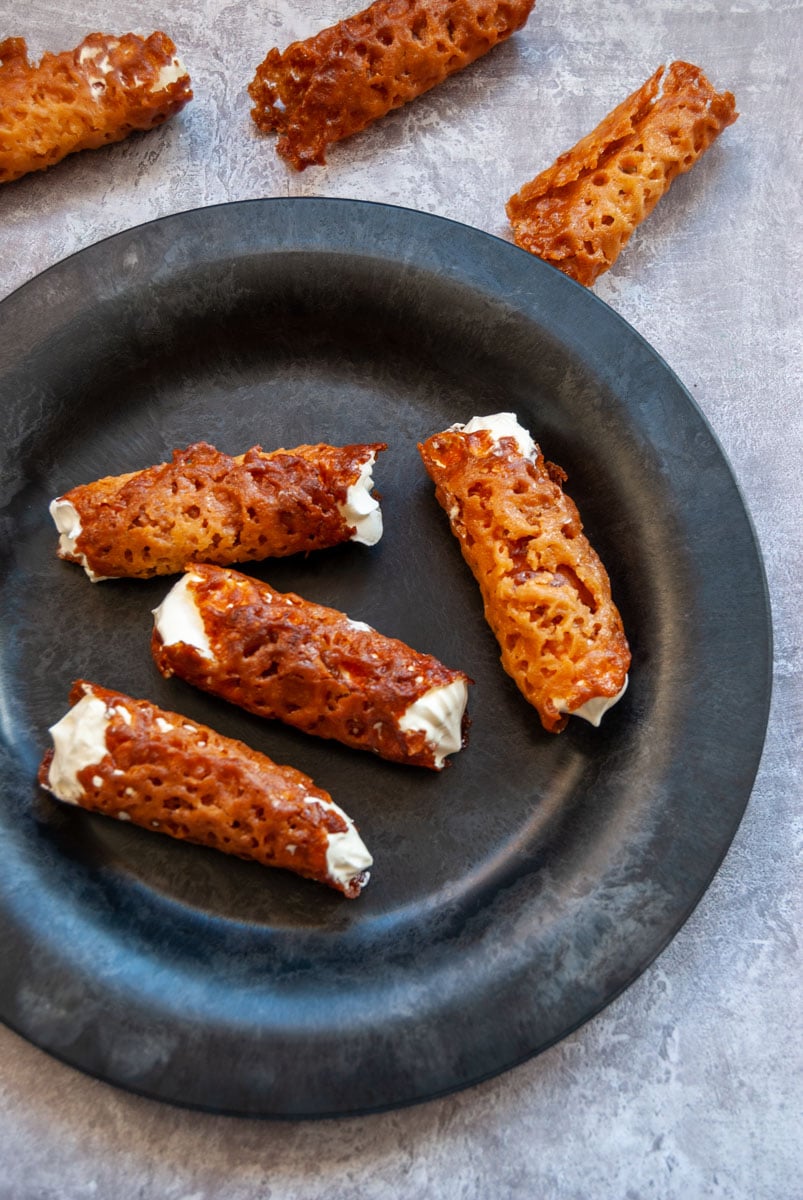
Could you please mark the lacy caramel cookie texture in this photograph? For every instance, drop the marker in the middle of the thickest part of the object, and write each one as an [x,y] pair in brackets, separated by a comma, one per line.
[334,84]
[579,214]
[105,89]
[205,506]
[134,761]
[546,594]
[286,658]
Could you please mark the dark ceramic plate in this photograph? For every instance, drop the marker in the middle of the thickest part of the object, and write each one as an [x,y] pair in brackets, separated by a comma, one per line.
[515,894]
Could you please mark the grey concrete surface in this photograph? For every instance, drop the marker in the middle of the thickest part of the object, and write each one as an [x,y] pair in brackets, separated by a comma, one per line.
[689,1084]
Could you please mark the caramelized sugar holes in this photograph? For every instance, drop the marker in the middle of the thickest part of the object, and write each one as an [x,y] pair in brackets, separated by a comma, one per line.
[419,27]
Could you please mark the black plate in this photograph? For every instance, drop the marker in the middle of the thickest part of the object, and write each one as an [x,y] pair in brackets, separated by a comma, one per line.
[515,894]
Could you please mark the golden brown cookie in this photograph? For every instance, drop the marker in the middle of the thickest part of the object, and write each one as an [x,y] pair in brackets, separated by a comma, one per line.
[205,506]
[129,759]
[332,85]
[547,596]
[580,212]
[286,658]
[100,92]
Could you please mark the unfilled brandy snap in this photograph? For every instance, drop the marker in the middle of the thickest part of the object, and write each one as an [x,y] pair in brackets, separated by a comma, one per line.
[579,214]
[334,84]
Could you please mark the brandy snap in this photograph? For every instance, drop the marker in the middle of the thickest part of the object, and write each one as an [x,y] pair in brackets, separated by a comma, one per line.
[285,658]
[206,506]
[100,92]
[547,595]
[131,760]
[579,214]
[336,83]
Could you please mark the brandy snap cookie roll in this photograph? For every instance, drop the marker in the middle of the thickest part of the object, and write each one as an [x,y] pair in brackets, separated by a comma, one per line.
[131,760]
[547,595]
[206,506]
[579,214]
[102,91]
[336,83]
[283,657]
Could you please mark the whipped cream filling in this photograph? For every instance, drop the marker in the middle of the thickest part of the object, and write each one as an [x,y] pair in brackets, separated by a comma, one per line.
[361,509]
[171,73]
[178,618]
[99,56]
[594,709]
[361,625]
[347,855]
[500,425]
[439,714]
[68,523]
[79,741]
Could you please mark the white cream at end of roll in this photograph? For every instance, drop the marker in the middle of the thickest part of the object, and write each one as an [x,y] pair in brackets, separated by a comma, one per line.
[68,523]
[595,709]
[361,509]
[79,741]
[439,714]
[178,618]
[347,855]
[500,425]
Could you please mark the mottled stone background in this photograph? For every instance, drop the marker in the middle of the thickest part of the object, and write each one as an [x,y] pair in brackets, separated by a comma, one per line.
[689,1084]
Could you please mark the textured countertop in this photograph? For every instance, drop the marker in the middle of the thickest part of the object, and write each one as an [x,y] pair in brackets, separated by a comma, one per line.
[689,1084]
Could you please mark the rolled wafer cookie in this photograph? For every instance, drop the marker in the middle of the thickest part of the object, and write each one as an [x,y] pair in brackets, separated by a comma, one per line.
[129,759]
[204,505]
[310,666]
[100,92]
[547,596]
[580,213]
[334,84]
